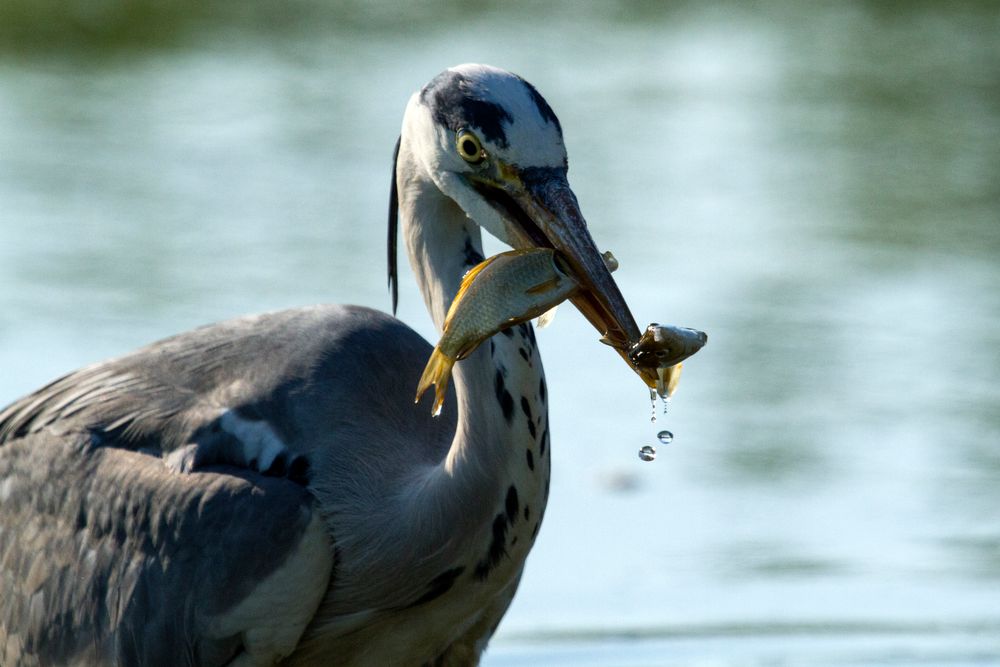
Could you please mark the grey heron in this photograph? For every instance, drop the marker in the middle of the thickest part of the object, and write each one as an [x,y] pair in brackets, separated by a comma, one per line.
[264,490]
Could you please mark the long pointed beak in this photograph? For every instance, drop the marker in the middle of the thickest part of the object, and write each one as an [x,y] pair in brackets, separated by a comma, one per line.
[542,211]
[553,207]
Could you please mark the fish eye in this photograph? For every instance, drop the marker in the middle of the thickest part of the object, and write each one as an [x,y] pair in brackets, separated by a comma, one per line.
[469,147]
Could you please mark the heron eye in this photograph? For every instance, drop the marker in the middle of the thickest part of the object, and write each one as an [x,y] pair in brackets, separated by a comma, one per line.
[469,147]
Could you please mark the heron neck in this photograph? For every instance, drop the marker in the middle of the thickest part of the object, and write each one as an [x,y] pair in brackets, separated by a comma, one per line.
[502,432]
[442,243]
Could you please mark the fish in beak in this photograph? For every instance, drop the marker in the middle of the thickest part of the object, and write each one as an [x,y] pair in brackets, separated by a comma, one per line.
[541,211]
[501,291]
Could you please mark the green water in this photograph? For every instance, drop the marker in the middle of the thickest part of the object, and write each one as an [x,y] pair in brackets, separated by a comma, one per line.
[818,188]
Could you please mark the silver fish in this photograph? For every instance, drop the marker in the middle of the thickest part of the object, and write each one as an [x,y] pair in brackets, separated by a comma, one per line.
[662,348]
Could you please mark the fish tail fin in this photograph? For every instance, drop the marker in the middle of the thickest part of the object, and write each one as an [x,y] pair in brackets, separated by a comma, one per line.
[437,373]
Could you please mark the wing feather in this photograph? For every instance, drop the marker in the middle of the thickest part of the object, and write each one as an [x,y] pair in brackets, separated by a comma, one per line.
[106,557]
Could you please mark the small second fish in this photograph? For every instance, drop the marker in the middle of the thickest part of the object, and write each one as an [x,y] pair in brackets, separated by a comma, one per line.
[502,291]
[662,348]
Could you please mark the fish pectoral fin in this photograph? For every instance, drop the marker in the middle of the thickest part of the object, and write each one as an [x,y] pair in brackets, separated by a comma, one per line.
[437,373]
[546,318]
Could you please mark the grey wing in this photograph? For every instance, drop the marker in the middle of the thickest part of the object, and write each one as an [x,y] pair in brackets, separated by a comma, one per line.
[166,396]
[107,557]
[253,392]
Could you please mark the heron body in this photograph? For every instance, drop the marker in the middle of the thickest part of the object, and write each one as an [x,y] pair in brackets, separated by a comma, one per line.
[264,490]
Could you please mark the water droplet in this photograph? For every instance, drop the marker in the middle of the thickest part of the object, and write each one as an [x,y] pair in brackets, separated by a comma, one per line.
[666,404]
[665,437]
[652,406]
[647,453]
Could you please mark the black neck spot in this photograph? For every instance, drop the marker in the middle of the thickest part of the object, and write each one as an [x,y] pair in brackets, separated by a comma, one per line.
[511,505]
[438,586]
[503,396]
[472,256]
[497,549]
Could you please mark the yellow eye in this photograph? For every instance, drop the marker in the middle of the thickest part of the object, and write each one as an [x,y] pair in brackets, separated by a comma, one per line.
[469,148]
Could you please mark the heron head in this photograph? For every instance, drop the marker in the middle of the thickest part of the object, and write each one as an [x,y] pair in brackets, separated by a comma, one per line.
[492,144]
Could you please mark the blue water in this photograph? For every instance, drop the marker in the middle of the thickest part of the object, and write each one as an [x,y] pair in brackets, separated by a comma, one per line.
[816,188]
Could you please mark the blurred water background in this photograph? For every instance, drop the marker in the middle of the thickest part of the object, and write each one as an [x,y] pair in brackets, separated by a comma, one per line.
[816,185]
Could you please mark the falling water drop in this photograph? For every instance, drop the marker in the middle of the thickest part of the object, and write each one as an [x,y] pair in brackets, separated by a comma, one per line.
[666,404]
[647,453]
[652,406]
[665,437]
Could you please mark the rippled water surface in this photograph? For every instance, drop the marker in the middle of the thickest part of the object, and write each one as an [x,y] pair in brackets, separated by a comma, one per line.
[818,189]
